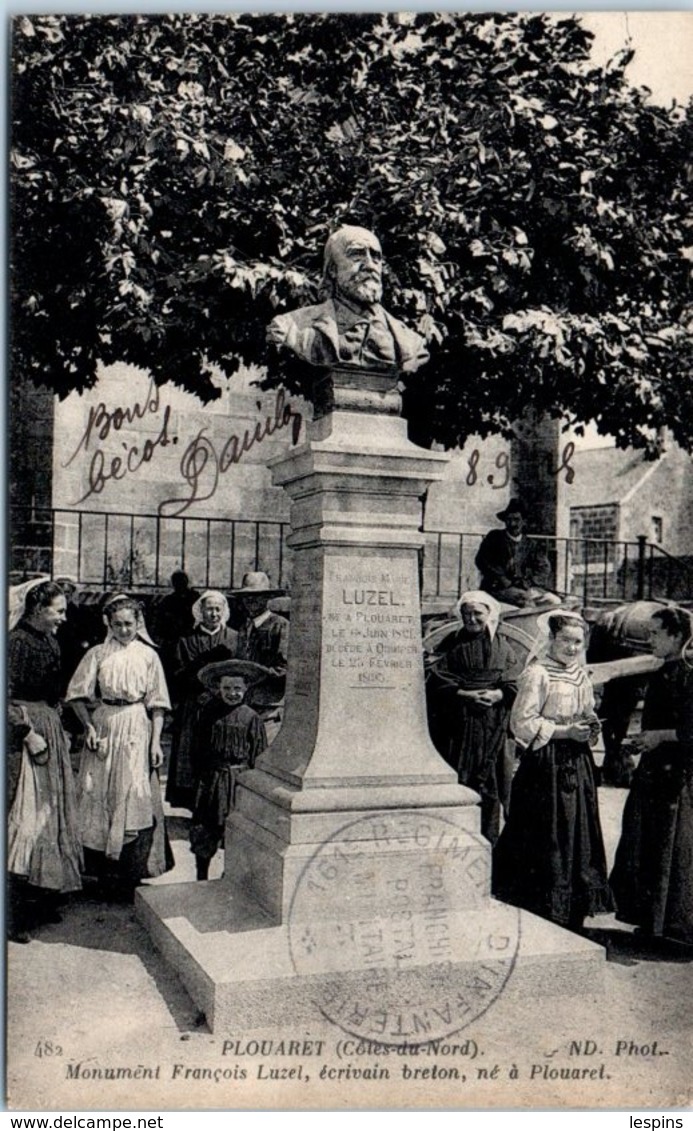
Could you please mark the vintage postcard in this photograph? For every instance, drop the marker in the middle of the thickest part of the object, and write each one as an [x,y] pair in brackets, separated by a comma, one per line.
[350,562]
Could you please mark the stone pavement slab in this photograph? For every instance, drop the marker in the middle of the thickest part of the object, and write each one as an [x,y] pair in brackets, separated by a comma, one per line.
[96,1020]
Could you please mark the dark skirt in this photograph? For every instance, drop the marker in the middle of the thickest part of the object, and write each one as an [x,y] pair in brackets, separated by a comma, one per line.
[181,782]
[485,761]
[550,856]
[480,744]
[652,879]
[213,803]
[43,843]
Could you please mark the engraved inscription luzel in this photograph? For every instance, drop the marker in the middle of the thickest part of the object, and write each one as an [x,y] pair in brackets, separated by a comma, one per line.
[369,597]
[368,633]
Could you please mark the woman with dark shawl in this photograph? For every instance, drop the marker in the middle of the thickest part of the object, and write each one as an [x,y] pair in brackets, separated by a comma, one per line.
[474,683]
[211,640]
[652,879]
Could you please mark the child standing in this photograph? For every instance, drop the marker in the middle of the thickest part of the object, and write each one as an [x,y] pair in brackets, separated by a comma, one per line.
[231,736]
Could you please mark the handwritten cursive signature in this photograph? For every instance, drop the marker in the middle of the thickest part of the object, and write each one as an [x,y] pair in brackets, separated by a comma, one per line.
[201,465]
[101,422]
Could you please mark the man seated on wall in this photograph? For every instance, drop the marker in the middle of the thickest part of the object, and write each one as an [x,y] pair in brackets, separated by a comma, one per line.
[513,569]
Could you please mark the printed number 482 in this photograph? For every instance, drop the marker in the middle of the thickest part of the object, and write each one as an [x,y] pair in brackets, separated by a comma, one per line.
[47,1048]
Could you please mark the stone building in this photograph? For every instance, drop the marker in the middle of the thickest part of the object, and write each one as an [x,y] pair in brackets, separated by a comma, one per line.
[620,497]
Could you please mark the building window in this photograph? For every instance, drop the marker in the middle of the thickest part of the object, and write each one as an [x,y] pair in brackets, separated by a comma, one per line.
[657,529]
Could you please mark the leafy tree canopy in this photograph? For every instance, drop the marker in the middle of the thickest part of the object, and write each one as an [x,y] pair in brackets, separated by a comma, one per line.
[175,178]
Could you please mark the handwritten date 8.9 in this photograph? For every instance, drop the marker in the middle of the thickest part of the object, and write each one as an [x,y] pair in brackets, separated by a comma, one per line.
[501,476]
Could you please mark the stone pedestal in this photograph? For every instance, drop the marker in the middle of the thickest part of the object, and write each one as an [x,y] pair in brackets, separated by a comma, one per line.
[354,737]
[357,886]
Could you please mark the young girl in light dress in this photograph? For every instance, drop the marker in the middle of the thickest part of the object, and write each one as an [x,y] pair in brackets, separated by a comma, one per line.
[550,857]
[119,694]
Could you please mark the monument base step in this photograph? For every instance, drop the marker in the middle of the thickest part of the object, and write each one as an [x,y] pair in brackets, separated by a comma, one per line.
[245,972]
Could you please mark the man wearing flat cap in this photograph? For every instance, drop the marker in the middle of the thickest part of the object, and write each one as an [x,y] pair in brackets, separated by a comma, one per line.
[264,639]
[512,569]
[351,328]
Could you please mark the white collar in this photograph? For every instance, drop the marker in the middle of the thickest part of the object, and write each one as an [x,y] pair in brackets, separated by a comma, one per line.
[210,631]
[118,645]
[257,621]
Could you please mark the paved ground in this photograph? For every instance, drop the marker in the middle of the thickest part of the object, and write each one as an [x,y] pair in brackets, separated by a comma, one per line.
[96,1021]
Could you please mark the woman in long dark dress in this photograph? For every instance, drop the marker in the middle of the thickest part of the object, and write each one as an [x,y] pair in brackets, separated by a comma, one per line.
[652,879]
[211,640]
[44,855]
[475,682]
[550,856]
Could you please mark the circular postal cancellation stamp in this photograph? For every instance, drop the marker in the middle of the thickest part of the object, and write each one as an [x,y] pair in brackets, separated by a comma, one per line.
[392,925]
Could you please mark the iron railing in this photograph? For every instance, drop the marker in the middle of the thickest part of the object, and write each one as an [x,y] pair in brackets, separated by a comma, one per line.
[105,549]
[592,569]
[140,551]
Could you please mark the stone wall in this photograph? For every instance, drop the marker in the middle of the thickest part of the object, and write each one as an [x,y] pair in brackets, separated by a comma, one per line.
[165,468]
[126,446]
[595,522]
[595,567]
[30,455]
[665,493]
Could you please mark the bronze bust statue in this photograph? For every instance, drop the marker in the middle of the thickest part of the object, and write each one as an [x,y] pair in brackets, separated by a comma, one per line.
[350,329]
